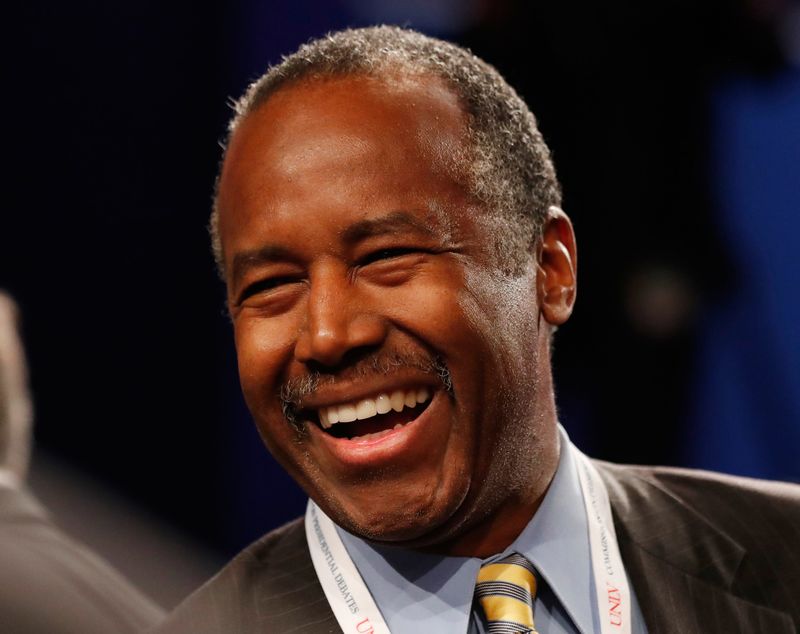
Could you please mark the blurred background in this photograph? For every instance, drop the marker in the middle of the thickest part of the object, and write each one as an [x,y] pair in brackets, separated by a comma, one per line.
[676,134]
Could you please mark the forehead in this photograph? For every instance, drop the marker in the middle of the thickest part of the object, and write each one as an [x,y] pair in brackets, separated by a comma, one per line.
[343,129]
[420,108]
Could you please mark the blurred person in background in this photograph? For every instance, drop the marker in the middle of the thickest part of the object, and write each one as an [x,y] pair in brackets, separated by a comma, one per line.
[49,583]
[388,225]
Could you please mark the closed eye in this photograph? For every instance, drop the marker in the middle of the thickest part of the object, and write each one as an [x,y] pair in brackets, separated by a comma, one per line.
[266,284]
[387,254]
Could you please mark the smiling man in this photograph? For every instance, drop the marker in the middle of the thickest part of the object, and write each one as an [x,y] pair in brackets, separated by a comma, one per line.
[388,225]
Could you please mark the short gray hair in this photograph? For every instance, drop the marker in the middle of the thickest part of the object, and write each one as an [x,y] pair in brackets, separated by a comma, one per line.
[16,410]
[510,171]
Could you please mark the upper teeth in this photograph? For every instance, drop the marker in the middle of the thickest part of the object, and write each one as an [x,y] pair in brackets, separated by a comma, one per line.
[369,407]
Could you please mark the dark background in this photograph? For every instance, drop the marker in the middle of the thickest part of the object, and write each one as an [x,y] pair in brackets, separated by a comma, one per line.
[676,133]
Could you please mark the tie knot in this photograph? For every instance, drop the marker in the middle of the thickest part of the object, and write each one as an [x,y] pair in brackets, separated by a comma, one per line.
[505,590]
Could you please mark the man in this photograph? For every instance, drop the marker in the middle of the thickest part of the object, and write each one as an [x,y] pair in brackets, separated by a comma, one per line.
[49,584]
[387,223]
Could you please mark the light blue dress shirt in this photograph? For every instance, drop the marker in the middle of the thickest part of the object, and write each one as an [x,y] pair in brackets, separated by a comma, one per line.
[418,592]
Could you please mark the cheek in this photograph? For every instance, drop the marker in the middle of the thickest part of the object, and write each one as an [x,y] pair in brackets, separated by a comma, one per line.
[429,309]
[262,348]
[264,351]
[505,313]
[437,315]
[500,319]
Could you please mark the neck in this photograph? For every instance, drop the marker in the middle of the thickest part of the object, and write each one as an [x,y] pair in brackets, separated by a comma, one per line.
[503,525]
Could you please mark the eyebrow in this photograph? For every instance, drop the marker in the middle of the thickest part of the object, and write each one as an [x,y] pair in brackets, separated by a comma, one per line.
[263,255]
[390,223]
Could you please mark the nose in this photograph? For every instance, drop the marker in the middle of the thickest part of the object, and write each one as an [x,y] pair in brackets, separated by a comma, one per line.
[339,320]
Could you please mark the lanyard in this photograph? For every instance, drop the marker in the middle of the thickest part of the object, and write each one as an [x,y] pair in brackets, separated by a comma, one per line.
[357,613]
[613,594]
[350,600]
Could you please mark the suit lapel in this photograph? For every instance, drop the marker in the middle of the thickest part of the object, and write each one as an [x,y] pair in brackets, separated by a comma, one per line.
[681,567]
[294,599]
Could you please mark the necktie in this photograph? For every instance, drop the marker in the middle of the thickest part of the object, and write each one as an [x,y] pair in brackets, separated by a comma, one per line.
[505,590]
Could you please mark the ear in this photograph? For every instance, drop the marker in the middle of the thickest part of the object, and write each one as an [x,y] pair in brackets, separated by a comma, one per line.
[557,267]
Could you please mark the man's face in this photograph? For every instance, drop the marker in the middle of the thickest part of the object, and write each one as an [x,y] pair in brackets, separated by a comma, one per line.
[360,279]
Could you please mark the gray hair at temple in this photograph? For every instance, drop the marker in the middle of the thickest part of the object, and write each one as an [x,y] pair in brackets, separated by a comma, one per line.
[16,411]
[508,169]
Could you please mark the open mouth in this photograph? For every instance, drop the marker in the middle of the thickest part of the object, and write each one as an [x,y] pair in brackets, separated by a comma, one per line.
[371,418]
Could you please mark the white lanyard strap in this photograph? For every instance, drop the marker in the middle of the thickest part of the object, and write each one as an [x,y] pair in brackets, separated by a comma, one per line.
[610,581]
[349,598]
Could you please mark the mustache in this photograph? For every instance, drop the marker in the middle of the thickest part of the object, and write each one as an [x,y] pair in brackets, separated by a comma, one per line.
[293,391]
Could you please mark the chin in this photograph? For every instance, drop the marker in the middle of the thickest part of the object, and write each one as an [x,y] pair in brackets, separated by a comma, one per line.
[413,521]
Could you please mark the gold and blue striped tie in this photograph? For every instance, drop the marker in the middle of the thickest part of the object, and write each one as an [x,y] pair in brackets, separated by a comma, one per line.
[505,590]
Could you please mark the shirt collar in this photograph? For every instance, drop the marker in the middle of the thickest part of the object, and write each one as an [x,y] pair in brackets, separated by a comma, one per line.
[556,541]
[416,590]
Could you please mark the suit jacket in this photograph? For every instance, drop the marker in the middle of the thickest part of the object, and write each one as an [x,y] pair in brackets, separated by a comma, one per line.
[50,584]
[704,552]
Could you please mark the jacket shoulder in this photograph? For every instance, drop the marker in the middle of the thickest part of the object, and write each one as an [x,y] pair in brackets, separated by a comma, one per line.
[743,507]
[736,533]
[271,586]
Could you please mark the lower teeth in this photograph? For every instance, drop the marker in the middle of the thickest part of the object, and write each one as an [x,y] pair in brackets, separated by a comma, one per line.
[380,433]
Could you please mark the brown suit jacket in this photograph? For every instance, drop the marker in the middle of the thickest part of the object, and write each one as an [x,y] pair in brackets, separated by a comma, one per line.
[704,552]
